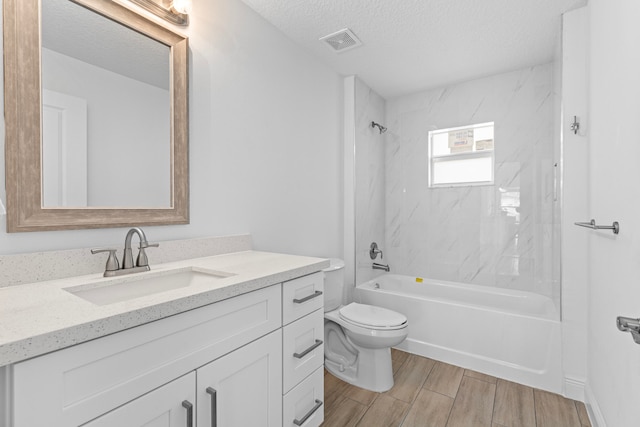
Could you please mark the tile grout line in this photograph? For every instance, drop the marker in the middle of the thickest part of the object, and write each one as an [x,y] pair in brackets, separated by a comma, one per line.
[368,408]
[378,394]
[418,393]
[405,416]
[357,421]
[535,410]
[451,410]
[454,404]
[423,382]
[344,396]
[438,393]
[410,404]
[493,407]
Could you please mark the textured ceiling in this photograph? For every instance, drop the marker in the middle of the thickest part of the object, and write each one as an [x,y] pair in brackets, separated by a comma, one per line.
[410,45]
[74,31]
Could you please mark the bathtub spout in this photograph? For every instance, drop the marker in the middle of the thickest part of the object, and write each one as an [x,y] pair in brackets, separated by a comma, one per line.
[377,266]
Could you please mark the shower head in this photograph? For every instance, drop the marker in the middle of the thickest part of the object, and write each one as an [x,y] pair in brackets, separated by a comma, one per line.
[381,128]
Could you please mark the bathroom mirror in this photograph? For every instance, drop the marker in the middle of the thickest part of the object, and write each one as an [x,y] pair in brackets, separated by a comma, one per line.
[96,117]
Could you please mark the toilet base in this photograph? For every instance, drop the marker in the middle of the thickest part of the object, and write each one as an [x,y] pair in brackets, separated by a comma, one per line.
[373,371]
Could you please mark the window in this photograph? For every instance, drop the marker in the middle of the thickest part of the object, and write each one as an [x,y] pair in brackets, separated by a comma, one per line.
[461,156]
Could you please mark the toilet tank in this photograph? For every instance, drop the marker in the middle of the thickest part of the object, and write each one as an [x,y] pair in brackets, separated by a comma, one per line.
[333,284]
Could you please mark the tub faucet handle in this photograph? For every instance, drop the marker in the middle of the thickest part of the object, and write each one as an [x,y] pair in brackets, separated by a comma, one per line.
[374,251]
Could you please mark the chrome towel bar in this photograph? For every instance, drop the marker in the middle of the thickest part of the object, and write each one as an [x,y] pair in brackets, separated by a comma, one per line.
[627,324]
[592,224]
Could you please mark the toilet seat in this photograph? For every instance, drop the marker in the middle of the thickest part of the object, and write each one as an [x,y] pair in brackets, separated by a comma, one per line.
[349,334]
[372,317]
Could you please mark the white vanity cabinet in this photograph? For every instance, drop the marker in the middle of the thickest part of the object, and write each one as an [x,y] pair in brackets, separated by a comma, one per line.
[171,405]
[243,361]
[243,387]
[142,376]
[303,351]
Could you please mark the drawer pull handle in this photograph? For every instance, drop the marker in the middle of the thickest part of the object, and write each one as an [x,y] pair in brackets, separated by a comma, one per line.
[306,417]
[214,406]
[189,407]
[307,298]
[317,344]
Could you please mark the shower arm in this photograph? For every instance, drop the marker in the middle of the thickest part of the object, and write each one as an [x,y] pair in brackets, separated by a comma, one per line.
[381,128]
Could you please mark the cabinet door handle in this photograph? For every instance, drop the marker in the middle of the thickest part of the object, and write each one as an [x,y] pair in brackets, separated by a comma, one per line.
[307,298]
[306,417]
[214,406]
[189,407]
[309,350]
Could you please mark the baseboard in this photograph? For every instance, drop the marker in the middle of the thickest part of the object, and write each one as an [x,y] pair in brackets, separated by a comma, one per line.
[574,388]
[595,415]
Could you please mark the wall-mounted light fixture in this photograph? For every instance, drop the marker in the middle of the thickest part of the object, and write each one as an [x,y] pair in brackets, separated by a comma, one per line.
[174,11]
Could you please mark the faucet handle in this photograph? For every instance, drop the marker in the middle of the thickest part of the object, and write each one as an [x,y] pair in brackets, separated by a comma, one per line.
[142,260]
[374,251]
[112,261]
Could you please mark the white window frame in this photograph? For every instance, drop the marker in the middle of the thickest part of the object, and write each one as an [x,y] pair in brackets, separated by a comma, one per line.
[460,156]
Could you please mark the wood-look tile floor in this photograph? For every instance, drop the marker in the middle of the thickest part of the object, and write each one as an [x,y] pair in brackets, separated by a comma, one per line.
[428,393]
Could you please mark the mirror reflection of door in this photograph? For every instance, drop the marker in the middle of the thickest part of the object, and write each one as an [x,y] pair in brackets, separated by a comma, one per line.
[64,150]
[123,77]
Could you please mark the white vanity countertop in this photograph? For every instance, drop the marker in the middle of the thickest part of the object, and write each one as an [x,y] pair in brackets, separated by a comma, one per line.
[42,317]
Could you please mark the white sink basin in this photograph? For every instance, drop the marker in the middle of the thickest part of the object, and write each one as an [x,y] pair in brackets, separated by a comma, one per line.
[124,288]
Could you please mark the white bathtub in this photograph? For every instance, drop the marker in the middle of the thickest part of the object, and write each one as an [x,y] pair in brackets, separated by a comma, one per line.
[514,335]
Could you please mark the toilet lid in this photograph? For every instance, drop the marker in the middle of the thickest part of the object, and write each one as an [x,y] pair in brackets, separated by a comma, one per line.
[372,316]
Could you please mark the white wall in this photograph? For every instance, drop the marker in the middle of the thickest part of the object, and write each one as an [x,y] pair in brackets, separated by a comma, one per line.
[265,143]
[613,365]
[574,201]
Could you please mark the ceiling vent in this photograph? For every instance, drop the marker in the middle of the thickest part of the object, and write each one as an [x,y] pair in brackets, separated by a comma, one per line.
[342,40]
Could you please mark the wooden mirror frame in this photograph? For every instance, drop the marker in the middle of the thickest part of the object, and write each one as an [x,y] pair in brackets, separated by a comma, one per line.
[22,101]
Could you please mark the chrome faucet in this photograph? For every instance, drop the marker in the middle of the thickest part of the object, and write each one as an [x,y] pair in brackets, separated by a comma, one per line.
[142,263]
[377,266]
[374,251]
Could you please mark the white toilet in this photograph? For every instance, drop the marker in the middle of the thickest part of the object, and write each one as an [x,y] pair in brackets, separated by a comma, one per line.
[358,337]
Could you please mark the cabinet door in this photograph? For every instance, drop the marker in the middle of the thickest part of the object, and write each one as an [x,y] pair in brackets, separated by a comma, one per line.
[243,388]
[167,406]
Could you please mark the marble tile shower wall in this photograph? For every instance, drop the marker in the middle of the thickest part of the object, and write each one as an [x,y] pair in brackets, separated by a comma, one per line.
[370,185]
[497,235]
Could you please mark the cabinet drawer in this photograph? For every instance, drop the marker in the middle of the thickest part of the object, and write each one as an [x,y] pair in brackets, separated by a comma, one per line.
[303,348]
[301,296]
[305,402]
[77,384]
